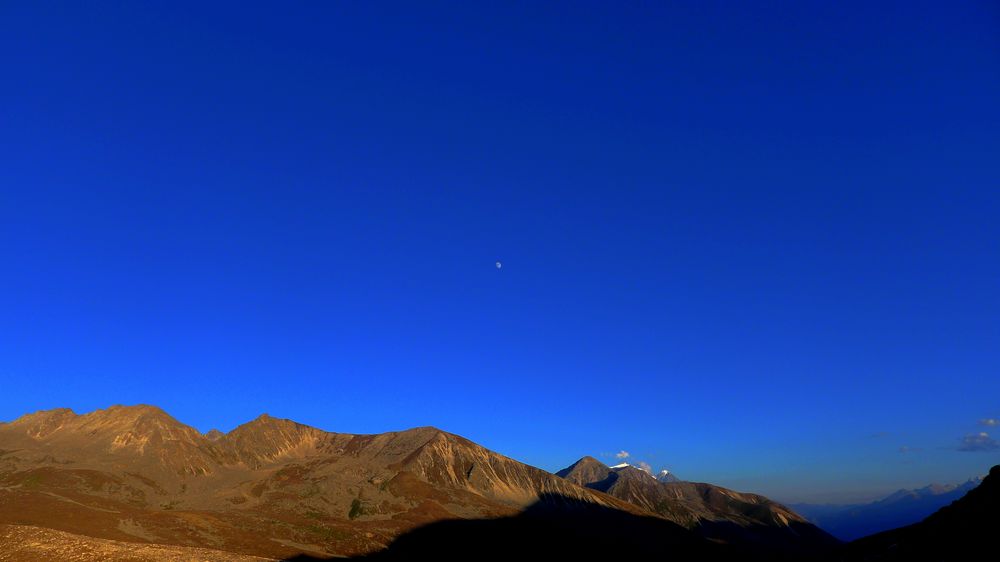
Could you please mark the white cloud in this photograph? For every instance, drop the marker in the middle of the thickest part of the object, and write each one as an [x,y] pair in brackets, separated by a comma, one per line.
[989,422]
[977,442]
[645,466]
[623,455]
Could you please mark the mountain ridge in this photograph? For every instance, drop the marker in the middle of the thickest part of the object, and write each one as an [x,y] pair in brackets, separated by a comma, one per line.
[136,473]
[273,487]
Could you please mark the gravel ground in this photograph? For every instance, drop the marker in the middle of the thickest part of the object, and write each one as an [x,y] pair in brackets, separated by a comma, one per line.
[19,543]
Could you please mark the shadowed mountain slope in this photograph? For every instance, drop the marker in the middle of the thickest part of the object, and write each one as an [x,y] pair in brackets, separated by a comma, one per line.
[557,528]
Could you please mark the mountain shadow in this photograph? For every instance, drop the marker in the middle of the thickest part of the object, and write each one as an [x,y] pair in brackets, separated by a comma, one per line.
[964,530]
[556,527]
[560,528]
[795,540]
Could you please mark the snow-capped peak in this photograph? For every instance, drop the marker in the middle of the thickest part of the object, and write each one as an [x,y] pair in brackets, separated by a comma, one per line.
[629,465]
[667,476]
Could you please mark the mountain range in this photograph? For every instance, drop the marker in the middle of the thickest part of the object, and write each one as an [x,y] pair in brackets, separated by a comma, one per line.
[714,512]
[903,507]
[275,488]
[133,483]
[963,530]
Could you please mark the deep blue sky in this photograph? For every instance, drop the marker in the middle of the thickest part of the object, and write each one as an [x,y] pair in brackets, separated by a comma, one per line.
[758,244]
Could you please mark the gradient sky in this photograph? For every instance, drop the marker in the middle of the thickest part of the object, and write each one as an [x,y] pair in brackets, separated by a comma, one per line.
[758,244]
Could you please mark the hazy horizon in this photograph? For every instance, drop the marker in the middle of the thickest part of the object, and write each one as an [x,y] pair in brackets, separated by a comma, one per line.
[754,244]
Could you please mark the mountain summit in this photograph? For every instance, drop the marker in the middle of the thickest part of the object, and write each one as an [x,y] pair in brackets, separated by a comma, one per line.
[666,476]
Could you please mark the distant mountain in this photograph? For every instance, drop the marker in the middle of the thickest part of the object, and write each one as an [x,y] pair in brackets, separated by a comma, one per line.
[903,507]
[276,489]
[714,512]
[964,530]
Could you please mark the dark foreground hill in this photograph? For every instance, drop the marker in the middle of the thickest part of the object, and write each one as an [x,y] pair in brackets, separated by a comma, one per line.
[276,489]
[965,530]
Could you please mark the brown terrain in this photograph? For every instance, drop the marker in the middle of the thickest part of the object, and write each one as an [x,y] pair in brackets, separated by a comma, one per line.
[24,543]
[272,488]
